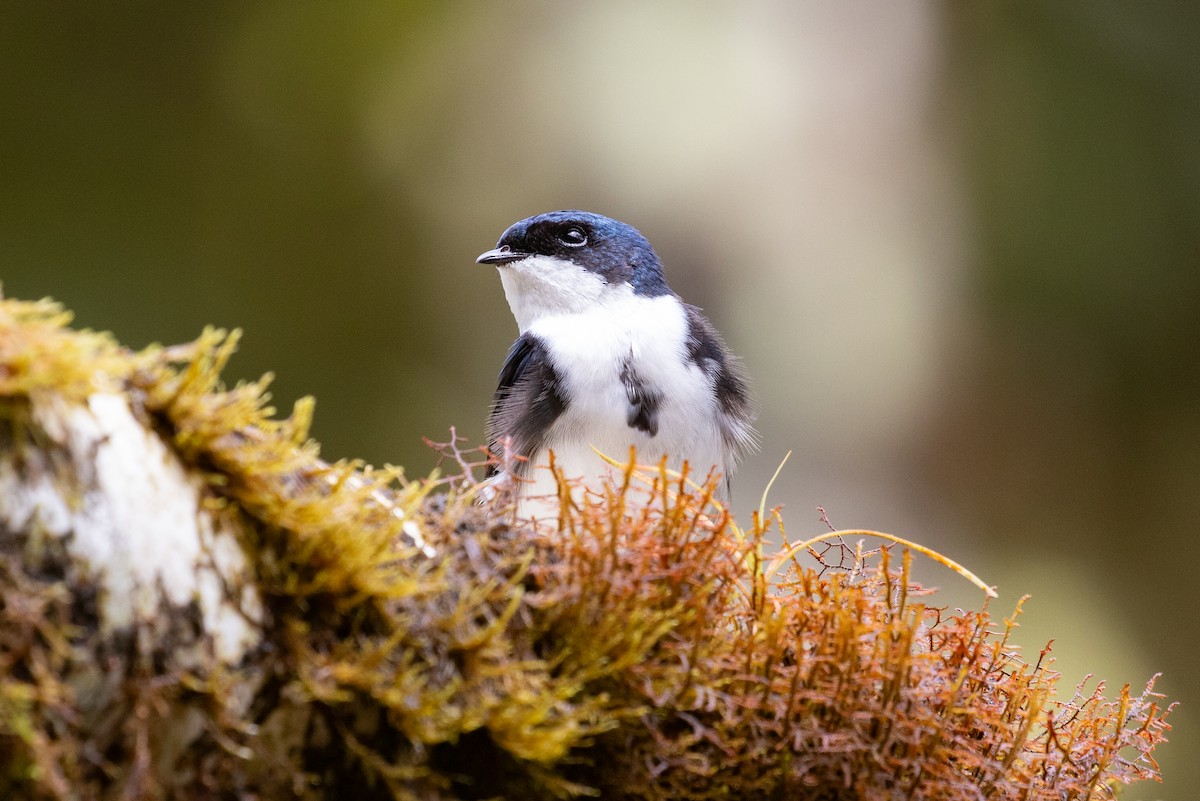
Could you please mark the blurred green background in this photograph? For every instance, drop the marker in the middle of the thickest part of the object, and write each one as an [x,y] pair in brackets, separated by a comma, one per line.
[957,245]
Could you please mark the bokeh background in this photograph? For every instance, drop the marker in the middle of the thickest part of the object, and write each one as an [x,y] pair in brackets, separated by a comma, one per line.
[957,245]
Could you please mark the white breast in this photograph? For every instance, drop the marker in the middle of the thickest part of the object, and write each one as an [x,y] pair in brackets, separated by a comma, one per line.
[588,349]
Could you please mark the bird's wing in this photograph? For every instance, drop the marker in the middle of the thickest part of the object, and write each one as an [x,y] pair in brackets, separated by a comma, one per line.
[528,400]
[708,351]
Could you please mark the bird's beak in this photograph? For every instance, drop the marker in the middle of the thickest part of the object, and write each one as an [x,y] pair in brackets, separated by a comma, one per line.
[501,255]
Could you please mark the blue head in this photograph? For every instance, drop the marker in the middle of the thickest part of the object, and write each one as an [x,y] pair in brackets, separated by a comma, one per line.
[597,245]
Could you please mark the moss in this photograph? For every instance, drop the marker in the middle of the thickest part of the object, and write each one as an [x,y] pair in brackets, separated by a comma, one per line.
[419,644]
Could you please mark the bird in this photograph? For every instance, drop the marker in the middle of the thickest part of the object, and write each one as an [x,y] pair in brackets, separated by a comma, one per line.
[607,357]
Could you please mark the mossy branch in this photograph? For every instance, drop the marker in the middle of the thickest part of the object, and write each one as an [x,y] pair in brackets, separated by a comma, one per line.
[194,605]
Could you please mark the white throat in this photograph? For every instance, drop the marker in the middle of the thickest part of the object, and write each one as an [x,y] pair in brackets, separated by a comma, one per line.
[545,286]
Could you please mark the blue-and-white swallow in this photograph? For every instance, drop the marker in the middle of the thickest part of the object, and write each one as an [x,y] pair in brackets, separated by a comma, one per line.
[608,357]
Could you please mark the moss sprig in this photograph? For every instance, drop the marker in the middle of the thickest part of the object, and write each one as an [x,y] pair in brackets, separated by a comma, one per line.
[419,642]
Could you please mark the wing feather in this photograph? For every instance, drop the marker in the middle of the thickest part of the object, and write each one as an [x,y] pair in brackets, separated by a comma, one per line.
[708,351]
[528,400]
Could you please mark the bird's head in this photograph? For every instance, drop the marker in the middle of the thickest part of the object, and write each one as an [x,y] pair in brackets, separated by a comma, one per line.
[566,262]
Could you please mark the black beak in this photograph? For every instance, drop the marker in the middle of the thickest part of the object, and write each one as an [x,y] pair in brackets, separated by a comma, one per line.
[501,255]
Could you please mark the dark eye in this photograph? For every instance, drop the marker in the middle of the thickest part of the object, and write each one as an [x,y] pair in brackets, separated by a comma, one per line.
[573,237]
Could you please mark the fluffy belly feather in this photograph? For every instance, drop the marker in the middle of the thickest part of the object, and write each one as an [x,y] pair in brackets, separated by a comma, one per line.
[594,353]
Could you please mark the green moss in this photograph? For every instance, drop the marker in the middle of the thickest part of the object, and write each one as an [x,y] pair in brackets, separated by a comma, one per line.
[418,644]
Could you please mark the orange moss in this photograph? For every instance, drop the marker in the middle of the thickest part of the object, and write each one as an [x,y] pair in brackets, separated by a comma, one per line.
[419,644]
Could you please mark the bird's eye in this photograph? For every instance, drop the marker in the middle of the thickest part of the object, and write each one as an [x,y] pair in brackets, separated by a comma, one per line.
[572,237]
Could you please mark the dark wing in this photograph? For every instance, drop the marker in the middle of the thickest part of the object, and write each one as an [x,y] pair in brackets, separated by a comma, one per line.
[708,351]
[527,401]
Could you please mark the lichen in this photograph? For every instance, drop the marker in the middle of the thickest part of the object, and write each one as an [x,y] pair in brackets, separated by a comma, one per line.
[419,643]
